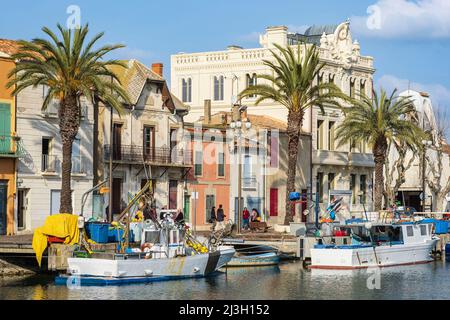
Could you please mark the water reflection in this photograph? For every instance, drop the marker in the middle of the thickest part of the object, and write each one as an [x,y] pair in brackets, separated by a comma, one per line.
[288,281]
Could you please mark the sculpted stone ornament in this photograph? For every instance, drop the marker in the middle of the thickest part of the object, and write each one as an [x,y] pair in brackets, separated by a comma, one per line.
[342,47]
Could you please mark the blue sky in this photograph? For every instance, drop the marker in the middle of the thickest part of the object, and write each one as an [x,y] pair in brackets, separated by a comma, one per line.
[410,43]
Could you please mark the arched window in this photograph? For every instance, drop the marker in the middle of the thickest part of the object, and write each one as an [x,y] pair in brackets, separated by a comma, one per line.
[187,90]
[218,88]
[252,81]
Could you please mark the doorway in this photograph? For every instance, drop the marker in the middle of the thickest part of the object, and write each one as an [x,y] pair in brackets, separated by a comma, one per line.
[22,203]
[3,205]
[117,196]
[173,194]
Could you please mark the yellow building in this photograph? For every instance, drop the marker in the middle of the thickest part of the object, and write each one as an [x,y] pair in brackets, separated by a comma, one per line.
[8,141]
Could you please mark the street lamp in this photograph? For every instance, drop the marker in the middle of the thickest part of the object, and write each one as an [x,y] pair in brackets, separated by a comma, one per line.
[237,127]
[426,144]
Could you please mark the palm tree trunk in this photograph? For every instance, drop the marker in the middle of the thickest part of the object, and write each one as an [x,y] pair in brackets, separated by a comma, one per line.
[295,120]
[379,153]
[69,124]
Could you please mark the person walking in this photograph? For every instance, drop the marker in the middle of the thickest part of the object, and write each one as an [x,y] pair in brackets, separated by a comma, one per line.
[245,218]
[220,218]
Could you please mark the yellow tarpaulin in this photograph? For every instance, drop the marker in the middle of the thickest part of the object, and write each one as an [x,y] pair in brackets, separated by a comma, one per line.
[63,226]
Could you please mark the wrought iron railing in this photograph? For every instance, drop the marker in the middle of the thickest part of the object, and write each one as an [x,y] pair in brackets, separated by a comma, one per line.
[48,164]
[249,182]
[78,165]
[135,154]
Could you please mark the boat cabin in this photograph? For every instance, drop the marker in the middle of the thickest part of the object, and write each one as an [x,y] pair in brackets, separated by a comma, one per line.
[390,234]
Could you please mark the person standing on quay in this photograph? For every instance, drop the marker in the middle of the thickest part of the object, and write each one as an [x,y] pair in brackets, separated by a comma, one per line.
[245,218]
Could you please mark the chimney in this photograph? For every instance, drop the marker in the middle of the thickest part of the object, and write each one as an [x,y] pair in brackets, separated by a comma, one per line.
[158,68]
[207,110]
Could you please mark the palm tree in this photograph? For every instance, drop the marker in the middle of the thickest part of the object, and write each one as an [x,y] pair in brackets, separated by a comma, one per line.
[293,85]
[71,69]
[380,121]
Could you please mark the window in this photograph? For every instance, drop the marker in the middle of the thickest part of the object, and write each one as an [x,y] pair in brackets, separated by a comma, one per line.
[221,165]
[353,187]
[423,230]
[210,203]
[331,181]
[218,88]
[76,156]
[48,163]
[247,166]
[363,189]
[331,78]
[363,88]
[273,147]
[251,82]
[320,186]
[355,147]
[331,139]
[320,142]
[149,143]
[409,231]
[187,90]
[198,163]
[352,88]
[173,145]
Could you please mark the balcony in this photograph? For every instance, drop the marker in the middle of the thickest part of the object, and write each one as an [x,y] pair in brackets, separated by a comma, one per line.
[155,156]
[342,158]
[79,165]
[249,183]
[10,147]
[49,164]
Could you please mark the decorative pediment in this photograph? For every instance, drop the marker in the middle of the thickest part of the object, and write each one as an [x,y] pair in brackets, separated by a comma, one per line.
[341,45]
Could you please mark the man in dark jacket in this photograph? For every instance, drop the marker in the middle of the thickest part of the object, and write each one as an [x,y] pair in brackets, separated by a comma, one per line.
[220,214]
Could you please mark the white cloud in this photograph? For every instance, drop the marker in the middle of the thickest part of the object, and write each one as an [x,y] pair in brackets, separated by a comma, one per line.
[439,94]
[405,19]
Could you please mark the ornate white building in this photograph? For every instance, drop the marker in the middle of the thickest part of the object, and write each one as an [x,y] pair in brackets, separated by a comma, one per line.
[219,76]
[437,163]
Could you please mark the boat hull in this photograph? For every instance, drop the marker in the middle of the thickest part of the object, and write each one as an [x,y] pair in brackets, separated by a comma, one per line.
[368,257]
[268,259]
[187,266]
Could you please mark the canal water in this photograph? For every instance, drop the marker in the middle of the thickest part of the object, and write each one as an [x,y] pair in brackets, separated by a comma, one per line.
[286,282]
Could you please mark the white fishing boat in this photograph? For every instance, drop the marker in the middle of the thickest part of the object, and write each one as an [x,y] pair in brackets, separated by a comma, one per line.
[168,251]
[377,245]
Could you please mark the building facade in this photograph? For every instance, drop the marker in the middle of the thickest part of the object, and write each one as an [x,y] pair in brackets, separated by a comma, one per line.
[39,170]
[147,142]
[419,179]
[209,179]
[220,76]
[10,146]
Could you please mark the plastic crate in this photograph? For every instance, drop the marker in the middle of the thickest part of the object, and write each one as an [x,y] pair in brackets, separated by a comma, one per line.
[97,232]
[116,235]
[441,227]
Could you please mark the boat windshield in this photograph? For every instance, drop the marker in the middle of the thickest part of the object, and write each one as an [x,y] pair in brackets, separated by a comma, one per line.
[376,234]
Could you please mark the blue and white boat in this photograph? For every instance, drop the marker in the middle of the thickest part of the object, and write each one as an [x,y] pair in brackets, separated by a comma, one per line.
[378,245]
[248,255]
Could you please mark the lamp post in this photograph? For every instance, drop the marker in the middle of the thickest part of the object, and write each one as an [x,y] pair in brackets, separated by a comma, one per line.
[237,127]
[426,144]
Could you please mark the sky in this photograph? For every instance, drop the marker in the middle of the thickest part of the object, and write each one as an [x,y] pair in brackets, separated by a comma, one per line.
[409,39]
